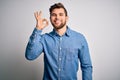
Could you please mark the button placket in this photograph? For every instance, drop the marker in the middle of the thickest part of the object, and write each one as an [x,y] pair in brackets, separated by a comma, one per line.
[59,58]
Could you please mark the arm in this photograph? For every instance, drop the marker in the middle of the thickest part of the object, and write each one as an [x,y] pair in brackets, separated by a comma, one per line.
[34,47]
[86,65]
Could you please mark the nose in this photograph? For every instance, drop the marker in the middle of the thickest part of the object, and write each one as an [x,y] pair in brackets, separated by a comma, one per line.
[57,16]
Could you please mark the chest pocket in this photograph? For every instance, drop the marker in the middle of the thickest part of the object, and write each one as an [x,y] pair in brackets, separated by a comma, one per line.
[71,54]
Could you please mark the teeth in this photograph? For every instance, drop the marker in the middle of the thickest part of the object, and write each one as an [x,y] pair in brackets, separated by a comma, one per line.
[57,21]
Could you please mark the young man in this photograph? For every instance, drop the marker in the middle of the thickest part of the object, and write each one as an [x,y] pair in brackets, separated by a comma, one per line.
[62,47]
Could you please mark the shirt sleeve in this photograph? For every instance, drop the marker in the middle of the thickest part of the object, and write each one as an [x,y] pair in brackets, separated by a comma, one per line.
[84,57]
[34,47]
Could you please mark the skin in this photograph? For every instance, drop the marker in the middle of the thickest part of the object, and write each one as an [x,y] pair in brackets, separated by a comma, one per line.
[57,18]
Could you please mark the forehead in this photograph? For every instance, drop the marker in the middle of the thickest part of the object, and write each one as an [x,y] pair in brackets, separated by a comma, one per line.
[58,10]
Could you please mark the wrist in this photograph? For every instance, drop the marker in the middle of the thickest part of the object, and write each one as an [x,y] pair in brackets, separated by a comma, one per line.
[38,27]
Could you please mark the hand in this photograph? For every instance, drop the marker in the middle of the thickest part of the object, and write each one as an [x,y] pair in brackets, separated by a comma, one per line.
[41,22]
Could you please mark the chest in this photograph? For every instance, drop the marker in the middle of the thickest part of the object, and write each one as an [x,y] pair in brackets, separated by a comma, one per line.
[63,44]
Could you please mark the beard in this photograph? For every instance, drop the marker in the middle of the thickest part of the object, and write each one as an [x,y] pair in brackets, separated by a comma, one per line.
[60,26]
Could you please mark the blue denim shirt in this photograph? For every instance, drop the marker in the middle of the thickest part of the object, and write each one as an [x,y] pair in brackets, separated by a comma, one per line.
[61,54]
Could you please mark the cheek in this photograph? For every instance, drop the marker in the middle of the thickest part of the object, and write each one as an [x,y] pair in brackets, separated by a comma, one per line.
[51,19]
[64,19]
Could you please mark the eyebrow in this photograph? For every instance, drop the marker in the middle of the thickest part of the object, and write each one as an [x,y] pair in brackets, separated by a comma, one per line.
[59,13]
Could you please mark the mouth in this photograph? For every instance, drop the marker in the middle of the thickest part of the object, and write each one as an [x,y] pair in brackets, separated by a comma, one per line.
[57,21]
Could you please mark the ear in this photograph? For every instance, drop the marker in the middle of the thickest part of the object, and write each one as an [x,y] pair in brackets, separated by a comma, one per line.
[67,18]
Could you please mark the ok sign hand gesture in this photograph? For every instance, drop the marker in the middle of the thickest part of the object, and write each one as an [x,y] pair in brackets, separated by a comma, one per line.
[41,22]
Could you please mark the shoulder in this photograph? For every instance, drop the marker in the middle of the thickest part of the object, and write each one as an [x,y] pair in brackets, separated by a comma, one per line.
[78,36]
[48,35]
[75,33]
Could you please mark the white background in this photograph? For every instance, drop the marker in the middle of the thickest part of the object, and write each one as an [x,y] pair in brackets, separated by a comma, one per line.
[98,20]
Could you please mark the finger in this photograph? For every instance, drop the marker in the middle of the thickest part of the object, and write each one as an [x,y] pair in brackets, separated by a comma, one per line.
[45,22]
[40,14]
[35,14]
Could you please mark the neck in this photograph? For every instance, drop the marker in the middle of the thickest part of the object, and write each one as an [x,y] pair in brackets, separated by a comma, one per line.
[62,30]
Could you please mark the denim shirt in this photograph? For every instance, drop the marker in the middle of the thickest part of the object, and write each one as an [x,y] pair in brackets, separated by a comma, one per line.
[61,54]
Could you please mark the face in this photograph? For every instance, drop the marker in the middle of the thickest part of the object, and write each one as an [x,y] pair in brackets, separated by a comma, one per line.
[58,18]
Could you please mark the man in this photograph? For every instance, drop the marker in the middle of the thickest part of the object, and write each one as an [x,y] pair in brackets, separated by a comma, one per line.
[62,47]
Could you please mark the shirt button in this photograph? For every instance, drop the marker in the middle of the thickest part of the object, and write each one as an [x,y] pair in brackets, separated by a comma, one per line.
[59,59]
[59,69]
[60,38]
[60,48]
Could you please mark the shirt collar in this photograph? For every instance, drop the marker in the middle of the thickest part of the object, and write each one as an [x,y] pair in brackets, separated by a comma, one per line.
[67,33]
